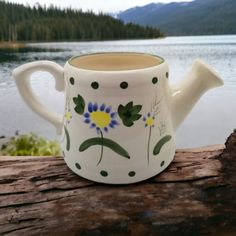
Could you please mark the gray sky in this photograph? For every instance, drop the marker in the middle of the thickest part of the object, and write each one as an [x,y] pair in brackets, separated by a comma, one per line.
[96,5]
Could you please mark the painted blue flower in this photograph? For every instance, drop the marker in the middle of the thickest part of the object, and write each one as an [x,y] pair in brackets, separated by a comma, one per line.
[100,117]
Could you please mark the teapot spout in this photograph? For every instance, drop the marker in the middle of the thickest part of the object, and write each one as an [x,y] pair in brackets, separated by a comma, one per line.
[186,93]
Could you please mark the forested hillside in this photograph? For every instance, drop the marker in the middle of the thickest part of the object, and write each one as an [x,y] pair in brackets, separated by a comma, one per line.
[199,17]
[21,23]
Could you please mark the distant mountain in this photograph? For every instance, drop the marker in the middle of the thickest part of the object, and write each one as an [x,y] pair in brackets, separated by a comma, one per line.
[199,17]
[114,14]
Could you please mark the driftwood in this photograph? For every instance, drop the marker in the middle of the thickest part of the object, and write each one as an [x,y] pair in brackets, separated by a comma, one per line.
[196,195]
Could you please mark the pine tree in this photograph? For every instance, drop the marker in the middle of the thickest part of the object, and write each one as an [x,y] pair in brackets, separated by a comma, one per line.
[23,23]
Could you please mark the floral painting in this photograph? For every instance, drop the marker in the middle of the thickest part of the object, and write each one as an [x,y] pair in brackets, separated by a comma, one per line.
[102,119]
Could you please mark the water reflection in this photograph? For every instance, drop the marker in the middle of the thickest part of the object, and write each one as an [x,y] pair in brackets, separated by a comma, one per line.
[17,53]
[210,122]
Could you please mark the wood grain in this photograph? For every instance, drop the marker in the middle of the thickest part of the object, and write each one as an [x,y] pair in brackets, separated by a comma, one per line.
[196,195]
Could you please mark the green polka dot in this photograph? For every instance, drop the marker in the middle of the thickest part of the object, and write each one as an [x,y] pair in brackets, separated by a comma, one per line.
[162,163]
[132,173]
[72,80]
[95,85]
[154,80]
[124,85]
[77,165]
[104,173]
[167,75]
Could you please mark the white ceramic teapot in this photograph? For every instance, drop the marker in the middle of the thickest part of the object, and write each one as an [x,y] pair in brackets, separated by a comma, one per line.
[120,112]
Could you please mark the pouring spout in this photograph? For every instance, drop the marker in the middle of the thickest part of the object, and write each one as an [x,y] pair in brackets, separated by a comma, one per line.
[187,92]
[210,78]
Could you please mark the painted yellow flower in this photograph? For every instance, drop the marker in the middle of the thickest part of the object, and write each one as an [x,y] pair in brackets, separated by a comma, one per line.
[68,116]
[149,120]
[100,118]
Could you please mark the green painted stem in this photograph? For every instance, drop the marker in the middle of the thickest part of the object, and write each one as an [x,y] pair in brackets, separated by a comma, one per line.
[67,139]
[115,147]
[160,144]
[101,149]
[149,138]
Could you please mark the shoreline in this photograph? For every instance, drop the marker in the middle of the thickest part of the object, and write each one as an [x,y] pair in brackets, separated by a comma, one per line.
[23,44]
[26,43]
[16,45]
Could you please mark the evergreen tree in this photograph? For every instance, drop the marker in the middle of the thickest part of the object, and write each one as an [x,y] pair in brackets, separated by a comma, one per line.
[39,23]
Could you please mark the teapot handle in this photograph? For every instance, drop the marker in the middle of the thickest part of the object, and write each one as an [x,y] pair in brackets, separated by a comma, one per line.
[22,75]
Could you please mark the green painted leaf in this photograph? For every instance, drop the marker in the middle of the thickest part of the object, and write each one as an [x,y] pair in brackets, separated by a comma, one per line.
[136,109]
[129,113]
[79,110]
[136,117]
[67,139]
[120,108]
[160,144]
[80,104]
[105,142]
[128,123]
[121,111]
[129,105]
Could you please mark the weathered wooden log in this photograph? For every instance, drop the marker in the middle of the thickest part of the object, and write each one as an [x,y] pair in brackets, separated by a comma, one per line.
[196,195]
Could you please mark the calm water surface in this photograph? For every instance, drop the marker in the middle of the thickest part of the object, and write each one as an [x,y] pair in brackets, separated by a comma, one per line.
[210,122]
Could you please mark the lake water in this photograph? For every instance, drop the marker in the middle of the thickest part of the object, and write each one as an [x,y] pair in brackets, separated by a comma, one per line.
[210,122]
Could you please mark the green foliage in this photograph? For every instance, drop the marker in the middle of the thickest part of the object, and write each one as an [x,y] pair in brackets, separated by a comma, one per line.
[104,142]
[80,104]
[67,139]
[129,113]
[160,144]
[20,23]
[30,145]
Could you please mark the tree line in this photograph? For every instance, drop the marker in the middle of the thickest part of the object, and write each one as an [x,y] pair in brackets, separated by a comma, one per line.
[41,23]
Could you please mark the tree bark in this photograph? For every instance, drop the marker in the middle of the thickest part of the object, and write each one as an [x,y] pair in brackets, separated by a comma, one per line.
[196,195]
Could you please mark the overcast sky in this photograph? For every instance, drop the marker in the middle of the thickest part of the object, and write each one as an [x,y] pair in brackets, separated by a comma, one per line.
[96,5]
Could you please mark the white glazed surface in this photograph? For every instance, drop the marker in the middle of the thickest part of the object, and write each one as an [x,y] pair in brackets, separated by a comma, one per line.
[143,150]
[141,91]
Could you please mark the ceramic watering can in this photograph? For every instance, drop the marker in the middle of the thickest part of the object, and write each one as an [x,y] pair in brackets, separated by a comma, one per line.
[120,114]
